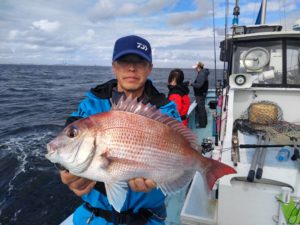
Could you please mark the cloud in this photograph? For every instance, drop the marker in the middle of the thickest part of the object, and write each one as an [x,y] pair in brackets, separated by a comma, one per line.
[84,32]
[12,34]
[87,37]
[102,10]
[155,6]
[277,7]
[287,6]
[183,18]
[61,49]
[202,9]
[31,47]
[112,9]
[46,25]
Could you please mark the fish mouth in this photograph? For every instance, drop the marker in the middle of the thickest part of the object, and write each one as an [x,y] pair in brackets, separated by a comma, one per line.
[50,151]
[51,148]
[51,156]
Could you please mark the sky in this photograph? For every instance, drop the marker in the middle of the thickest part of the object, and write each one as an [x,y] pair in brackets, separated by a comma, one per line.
[83,32]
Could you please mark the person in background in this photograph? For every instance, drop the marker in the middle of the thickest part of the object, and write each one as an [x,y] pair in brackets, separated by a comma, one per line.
[131,64]
[179,93]
[200,86]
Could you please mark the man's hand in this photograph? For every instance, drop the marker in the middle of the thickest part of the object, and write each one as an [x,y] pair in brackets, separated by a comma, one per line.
[141,184]
[78,185]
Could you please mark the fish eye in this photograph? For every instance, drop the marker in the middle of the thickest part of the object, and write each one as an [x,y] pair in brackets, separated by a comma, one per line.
[73,132]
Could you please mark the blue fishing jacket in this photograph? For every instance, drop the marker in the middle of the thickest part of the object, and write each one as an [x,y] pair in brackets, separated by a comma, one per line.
[97,101]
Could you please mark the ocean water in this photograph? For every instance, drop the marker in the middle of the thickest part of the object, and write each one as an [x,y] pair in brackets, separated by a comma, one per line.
[34,103]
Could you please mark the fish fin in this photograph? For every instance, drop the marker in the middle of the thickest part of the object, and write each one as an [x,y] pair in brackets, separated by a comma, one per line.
[116,194]
[177,183]
[214,170]
[150,111]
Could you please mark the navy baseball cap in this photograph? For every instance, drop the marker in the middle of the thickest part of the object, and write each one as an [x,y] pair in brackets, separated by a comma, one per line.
[132,45]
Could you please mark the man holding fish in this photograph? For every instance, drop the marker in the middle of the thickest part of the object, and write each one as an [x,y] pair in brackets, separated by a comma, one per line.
[123,142]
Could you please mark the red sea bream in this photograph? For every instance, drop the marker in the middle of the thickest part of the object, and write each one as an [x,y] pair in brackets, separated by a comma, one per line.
[133,140]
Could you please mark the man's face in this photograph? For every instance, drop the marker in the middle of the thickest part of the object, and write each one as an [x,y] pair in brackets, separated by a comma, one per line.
[131,72]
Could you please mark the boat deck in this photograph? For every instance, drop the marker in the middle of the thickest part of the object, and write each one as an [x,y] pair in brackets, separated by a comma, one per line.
[175,202]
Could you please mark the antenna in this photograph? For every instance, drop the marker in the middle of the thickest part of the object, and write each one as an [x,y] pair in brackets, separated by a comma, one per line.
[263,11]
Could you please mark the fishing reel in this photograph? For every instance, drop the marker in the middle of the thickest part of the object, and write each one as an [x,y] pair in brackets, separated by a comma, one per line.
[219,88]
[207,145]
[296,154]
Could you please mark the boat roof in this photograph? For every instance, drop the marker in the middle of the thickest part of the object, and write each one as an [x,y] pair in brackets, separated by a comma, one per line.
[265,31]
[264,35]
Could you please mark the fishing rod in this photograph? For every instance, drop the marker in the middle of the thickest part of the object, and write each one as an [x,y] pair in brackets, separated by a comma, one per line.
[265,146]
[255,159]
[295,146]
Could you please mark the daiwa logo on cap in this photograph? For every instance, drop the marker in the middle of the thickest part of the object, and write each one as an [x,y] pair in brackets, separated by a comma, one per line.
[141,46]
[132,45]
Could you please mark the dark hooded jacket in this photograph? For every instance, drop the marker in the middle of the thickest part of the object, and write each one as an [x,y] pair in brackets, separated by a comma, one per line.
[200,84]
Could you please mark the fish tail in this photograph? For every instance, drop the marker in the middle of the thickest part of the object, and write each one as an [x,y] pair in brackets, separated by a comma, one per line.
[214,170]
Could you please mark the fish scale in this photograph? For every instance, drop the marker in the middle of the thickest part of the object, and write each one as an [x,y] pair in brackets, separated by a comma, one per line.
[152,153]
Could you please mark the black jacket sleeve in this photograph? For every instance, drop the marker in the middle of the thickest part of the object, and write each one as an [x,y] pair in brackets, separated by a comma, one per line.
[201,78]
[71,119]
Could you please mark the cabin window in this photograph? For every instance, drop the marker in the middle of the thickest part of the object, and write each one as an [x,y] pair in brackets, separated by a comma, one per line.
[293,62]
[260,59]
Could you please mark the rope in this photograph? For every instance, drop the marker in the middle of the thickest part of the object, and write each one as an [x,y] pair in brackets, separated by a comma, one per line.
[215,62]
[284,15]
[226,31]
